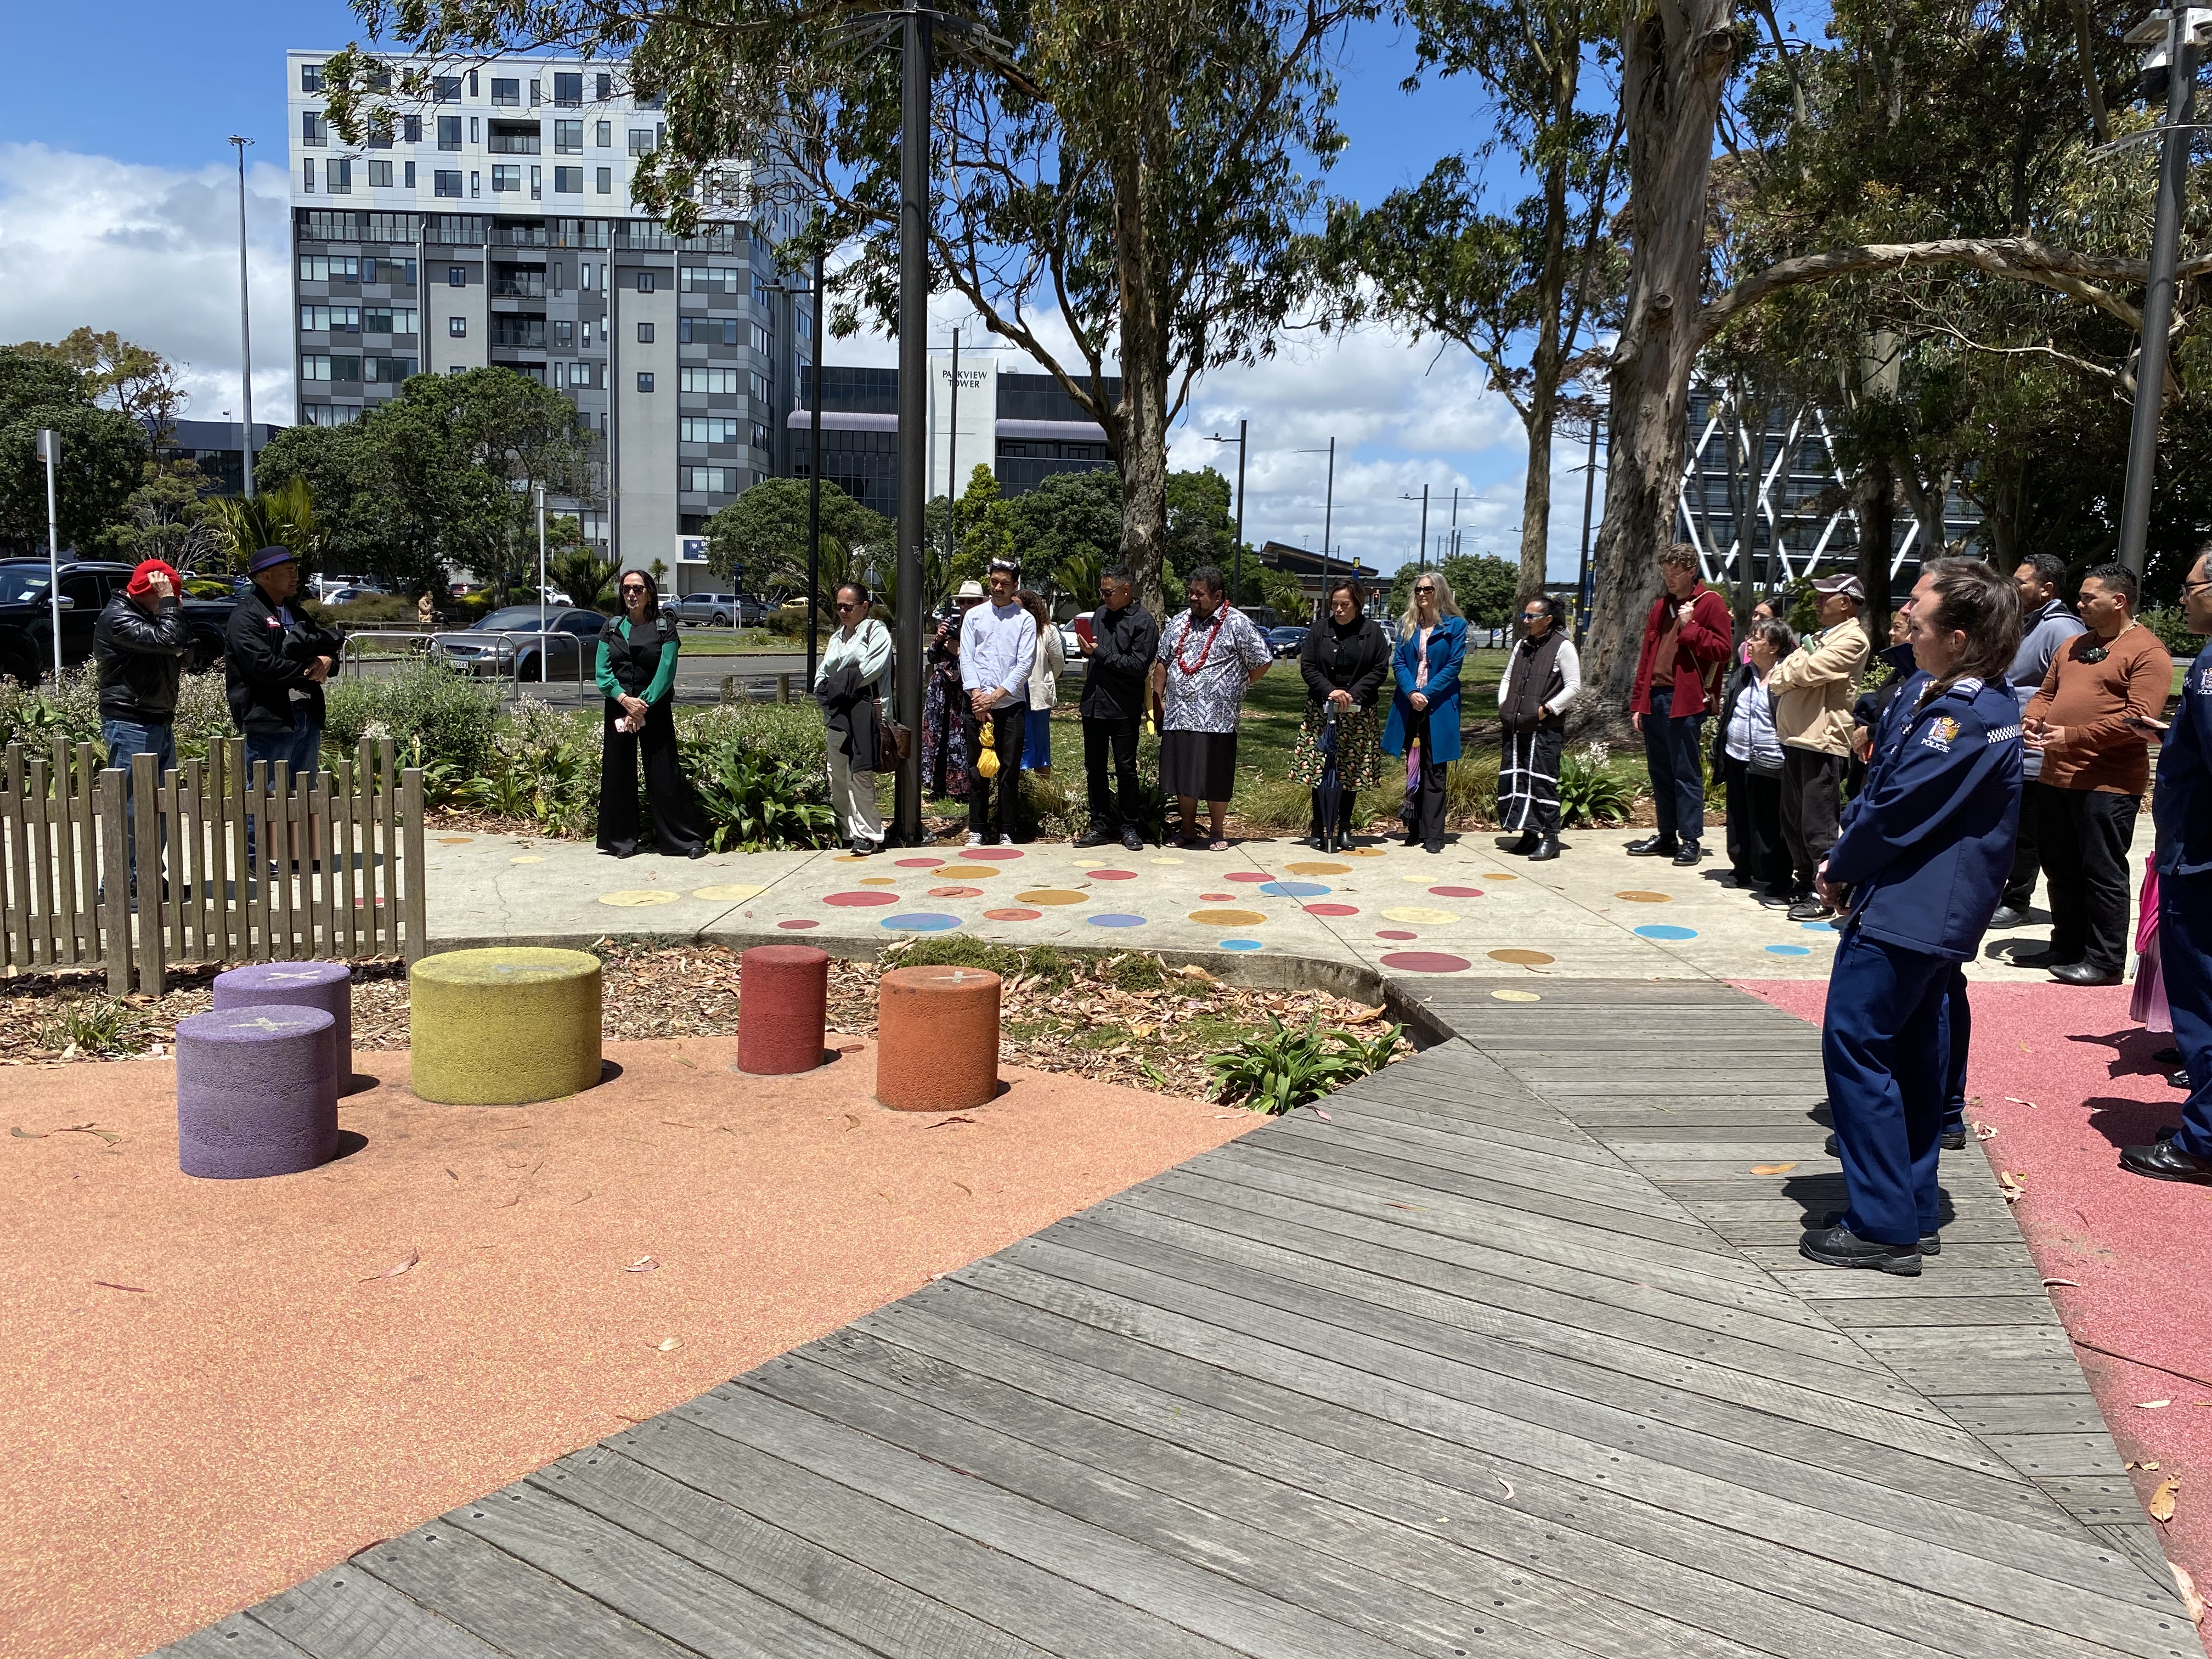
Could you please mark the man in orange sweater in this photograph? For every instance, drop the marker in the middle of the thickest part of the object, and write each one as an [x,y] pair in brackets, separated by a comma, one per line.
[2095,766]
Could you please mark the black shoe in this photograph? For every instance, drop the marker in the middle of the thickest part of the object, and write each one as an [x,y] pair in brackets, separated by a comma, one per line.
[861,847]
[1528,842]
[2167,1057]
[1433,846]
[1094,838]
[1690,854]
[2178,1079]
[1955,1138]
[1654,847]
[1930,1243]
[2080,972]
[1831,1147]
[2164,1161]
[1810,910]
[1546,850]
[1774,900]
[2010,915]
[2038,959]
[1839,1247]
[1133,842]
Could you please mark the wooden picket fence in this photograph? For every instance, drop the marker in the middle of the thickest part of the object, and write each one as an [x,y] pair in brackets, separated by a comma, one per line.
[352,886]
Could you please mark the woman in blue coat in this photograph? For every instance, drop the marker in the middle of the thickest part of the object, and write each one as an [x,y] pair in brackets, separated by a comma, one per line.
[1922,860]
[1424,712]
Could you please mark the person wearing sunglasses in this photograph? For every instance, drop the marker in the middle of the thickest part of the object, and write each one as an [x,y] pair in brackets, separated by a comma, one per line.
[847,684]
[1540,679]
[1424,724]
[636,674]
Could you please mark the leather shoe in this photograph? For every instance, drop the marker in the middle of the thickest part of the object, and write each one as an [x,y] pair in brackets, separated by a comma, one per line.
[1839,1247]
[1930,1243]
[2080,972]
[2177,1078]
[1690,853]
[1954,1139]
[1528,842]
[2009,916]
[1133,841]
[1810,910]
[1654,847]
[1547,849]
[2164,1161]
[2035,959]
[1094,838]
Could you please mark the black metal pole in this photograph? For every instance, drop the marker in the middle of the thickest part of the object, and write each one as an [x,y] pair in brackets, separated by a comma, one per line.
[814,486]
[1589,494]
[914,398]
[952,452]
[2158,298]
[1238,580]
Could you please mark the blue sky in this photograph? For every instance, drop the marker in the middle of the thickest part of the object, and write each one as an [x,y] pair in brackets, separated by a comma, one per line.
[127,148]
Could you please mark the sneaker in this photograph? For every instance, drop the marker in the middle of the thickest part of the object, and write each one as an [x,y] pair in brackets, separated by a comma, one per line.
[977,838]
[1690,854]
[1810,910]
[1133,842]
[1839,1247]
[2179,1079]
[1654,847]
[863,848]
[1930,1243]
[1094,838]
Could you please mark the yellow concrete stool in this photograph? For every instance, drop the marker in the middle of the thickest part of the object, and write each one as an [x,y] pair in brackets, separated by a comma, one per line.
[505,1026]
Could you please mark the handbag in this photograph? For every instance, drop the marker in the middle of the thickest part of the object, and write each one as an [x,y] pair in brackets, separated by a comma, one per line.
[895,737]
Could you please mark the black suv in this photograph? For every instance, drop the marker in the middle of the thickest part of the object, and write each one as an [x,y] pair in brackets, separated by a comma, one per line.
[27,649]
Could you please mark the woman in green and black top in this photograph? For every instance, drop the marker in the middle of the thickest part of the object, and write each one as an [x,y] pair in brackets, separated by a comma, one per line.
[637,674]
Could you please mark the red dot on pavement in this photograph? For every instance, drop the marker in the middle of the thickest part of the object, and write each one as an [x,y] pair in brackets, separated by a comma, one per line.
[802,922]
[1111,875]
[1424,961]
[1332,909]
[854,901]
[1248,875]
[1395,933]
[1456,892]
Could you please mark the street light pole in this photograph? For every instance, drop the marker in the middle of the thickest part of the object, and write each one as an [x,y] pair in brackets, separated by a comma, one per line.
[913,394]
[2180,29]
[49,452]
[814,481]
[1328,514]
[1236,574]
[246,320]
[952,452]
[1590,495]
[540,493]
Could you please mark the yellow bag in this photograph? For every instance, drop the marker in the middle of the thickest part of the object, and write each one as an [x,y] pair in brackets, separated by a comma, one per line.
[986,763]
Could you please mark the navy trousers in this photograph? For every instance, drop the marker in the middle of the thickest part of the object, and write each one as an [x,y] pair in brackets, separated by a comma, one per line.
[1882,1049]
[1955,1030]
[1675,760]
[2184,945]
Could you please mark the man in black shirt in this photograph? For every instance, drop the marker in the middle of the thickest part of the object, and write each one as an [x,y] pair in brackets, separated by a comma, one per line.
[1123,640]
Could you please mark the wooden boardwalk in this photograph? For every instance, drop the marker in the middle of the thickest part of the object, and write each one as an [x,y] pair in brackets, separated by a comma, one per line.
[1508,1355]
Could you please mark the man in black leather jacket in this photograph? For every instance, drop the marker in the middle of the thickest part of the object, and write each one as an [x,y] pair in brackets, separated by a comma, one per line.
[1123,640]
[138,648]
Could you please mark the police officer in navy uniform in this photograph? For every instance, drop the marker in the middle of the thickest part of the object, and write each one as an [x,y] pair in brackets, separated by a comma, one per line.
[1917,871]
[2181,806]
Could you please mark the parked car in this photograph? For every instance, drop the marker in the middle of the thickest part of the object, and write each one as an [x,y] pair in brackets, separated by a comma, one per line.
[711,610]
[508,642]
[26,619]
[1287,641]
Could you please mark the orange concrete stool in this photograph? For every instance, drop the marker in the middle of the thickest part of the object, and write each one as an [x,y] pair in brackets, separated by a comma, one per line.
[937,1038]
[783,1008]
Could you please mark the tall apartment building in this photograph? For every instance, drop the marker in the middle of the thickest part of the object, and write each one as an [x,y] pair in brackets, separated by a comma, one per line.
[493,225]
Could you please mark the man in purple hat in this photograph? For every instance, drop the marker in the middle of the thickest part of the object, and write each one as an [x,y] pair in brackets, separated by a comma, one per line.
[275,660]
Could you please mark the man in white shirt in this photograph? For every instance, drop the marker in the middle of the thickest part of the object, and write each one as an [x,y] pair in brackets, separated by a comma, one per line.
[998,648]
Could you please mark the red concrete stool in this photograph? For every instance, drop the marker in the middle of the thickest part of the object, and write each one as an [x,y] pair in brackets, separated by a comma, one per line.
[783,1008]
[937,1038]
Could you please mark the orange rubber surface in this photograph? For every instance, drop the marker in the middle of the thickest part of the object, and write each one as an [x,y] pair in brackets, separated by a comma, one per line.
[261,1401]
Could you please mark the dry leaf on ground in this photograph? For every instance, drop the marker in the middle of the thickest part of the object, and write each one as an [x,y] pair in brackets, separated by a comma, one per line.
[2191,1602]
[669,1344]
[2152,1405]
[2163,1500]
[644,1264]
[2075,1283]
[1984,1131]
[2013,1185]
[1772,1169]
[413,1256]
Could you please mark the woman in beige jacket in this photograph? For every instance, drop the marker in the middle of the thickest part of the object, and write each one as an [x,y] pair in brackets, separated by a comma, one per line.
[1812,690]
[1044,685]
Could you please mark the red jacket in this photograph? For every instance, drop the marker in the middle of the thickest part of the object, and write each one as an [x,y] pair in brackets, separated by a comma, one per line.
[1704,643]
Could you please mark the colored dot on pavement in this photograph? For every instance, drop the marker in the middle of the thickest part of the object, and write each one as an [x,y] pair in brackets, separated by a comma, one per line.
[528,857]
[1365,853]
[1051,895]
[1521,958]
[1242,945]
[1456,892]
[637,896]
[966,871]
[955,892]
[1394,933]
[860,901]
[995,854]
[1817,926]
[1167,860]
[1246,875]
[1318,869]
[1293,889]
[1661,930]
[1113,921]
[1499,875]
[922,921]
[1646,898]
[732,894]
[1420,915]
[1011,916]
[1516,996]
[851,858]
[798,922]
[920,863]
[1229,918]
[1332,909]
[1788,951]
[1425,961]
[1111,875]
[1217,898]
[878,881]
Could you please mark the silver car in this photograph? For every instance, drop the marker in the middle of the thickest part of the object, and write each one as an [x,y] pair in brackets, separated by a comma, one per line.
[508,643]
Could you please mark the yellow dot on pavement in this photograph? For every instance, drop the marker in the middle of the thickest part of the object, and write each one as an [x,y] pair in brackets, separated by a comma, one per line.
[637,896]
[1229,918]
[1365,853]
[1420,915]
[1051,895]
[878,881]
[1499,875]
[730,895]
[1318,869]
[1634,897]
[528,857]
[962,871]
[1516,996]
[1167,860]
[1521,958]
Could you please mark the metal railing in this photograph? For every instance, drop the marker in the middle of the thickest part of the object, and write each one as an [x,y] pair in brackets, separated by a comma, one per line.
[503,659]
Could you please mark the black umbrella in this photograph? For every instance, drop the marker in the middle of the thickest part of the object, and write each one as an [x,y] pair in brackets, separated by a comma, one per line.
[1328,799]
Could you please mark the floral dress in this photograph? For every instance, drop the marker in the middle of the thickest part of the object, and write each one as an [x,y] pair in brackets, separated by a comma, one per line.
[943,739]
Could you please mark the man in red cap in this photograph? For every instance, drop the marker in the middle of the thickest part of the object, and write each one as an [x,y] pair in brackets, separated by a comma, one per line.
[138,647]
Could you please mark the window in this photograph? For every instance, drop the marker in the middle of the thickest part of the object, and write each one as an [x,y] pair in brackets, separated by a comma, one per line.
[606,86]
[564,333]
[707,429]
[379,132]
[472,83]
[475,183]
[446,183]
[314,132]
[449,133]
[707,379]
[321,319]
[457,327]
[387,270]
[760,435]
[762,390]
[567,137]
[568,181]
[379,175]
[537,94]
[644,382]
[506,176]
[710,279]
[457,276]
[606,180]
[311,77]
[339,176]
[446,89]
[506,92]
[410,129]
[602,135]
[763,341]
[474,125]
[518,331]
[409,174]
[763,296]
[646,281]
[537,184]
[330,268]
[568,90]
[707,330]
[389,319]
[386,371]
[644,333]
[307,175]
[711,480]
[314,365]
[641,140]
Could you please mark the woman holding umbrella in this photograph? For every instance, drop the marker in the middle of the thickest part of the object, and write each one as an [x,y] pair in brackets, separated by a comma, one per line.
[1344,663]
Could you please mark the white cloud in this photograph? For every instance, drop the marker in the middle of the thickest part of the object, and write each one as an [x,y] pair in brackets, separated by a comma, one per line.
[152,253]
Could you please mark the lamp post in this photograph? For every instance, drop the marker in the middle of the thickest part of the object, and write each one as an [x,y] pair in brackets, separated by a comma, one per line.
[1236,579]
[49,452]
[1327,507]
[245,320]
[1421,559]
[539,491]
[814,469]
[914,391]
[1589,493]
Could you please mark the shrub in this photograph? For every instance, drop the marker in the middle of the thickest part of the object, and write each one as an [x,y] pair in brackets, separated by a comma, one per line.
[760,774]
[2170,623]
[1593,789]
[203,716]
[544,767]
[36,718]
[1286,1069]
[374,611]
[439,718]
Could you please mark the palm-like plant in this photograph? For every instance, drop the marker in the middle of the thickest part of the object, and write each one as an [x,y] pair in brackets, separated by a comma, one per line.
[282,517]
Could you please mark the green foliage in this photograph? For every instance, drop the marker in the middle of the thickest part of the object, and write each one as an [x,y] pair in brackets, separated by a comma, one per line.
[96,1025]
[36,716]
[760,774]
[371,610]
[1051,968]
[544,767]
[136,383]
[586,578]
[759,540]
[1593,789]
[1482,583]
[103,455]
[169,517]
[282,513]
[1287,1068]
[2170,623]
[1071,520]
[436,716]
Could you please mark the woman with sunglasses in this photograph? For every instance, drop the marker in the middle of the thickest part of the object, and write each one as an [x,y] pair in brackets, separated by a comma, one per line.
[1424,712]
[1344,663]
[637,676]
[847,685]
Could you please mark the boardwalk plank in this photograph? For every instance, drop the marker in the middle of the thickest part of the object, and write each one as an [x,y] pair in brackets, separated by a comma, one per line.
[236,1637]
[349,1613]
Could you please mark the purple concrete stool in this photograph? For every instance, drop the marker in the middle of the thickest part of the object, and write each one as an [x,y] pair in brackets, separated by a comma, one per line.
[325,985]
[254,1092]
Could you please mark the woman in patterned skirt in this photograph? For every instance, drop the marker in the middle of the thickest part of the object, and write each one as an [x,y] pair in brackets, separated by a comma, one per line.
[1345,662]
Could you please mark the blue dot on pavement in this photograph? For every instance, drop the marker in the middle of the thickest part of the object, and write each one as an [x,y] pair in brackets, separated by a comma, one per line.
[1116,922]
[1788,951]
[1817,926]
[1240,945]
[1293,889]
[1665,930]
[924,922]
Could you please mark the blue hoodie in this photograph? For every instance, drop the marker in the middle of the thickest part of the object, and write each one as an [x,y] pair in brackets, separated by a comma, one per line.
[1927,845]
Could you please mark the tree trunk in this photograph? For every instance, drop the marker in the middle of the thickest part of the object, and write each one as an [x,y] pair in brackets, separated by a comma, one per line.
[1545,366]
[1674,60]
[1143,409]
[1875,498]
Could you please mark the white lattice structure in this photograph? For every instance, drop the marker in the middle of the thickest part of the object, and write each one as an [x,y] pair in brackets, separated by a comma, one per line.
[1794,465]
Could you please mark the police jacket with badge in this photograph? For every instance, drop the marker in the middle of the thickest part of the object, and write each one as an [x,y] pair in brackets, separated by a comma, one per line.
[266,663]
[1927,845]
[2181,805]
